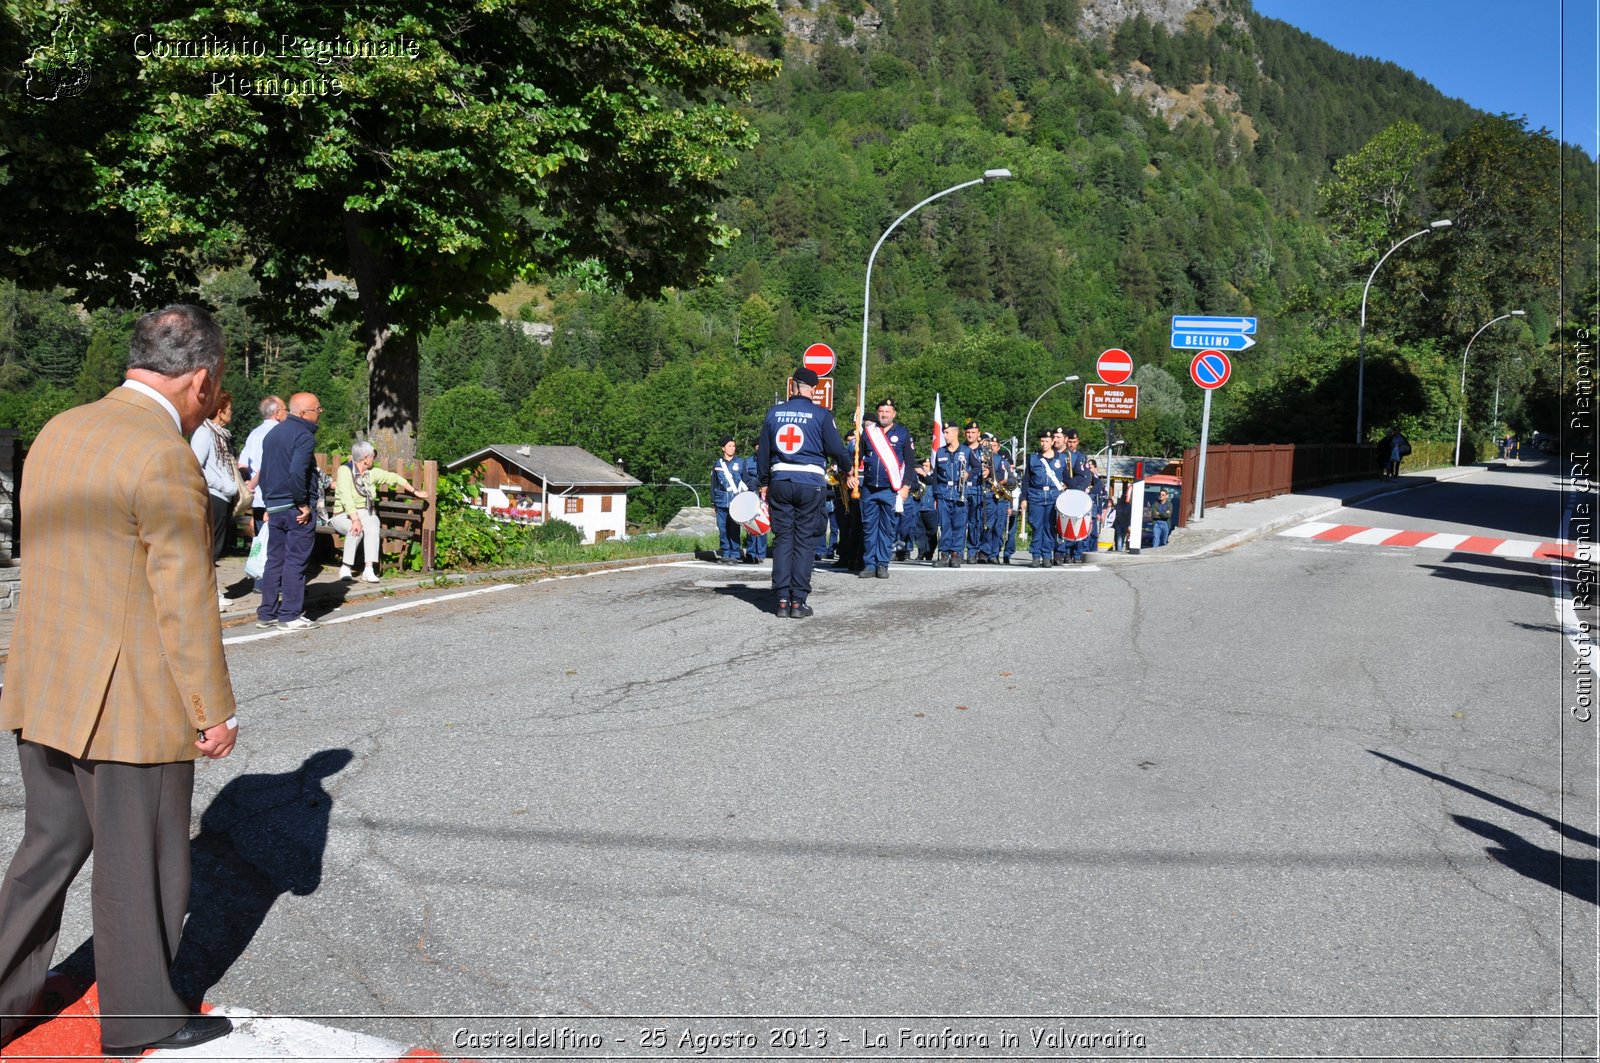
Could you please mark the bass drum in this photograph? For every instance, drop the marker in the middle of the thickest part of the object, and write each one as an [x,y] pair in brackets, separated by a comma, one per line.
[1073,509]
[747,508]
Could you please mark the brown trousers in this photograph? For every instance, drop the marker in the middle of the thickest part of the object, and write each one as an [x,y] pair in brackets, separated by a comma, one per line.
[135,819]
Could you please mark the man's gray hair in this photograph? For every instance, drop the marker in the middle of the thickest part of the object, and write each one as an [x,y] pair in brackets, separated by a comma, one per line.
[270,406]
[176,340]
[362,450]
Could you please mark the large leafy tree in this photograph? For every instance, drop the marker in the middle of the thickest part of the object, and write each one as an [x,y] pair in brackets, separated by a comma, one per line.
[419,154]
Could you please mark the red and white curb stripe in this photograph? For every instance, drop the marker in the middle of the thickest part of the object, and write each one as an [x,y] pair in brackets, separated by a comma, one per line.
[1424,540]
[74,1034]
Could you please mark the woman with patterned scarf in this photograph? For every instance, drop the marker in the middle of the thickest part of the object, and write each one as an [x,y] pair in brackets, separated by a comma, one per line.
[213,447]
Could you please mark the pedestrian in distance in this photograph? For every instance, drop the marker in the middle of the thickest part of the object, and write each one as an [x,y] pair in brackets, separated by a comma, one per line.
[1159,516]
[116,683]
[290,489]
[273,410]
[356,484]
[797,440]
[212,444]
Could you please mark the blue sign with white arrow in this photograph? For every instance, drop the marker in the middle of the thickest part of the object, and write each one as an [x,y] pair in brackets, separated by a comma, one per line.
[1213,333]
[1214,324]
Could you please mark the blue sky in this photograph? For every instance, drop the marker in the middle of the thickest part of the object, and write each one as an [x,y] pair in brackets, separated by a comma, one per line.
[1497,55]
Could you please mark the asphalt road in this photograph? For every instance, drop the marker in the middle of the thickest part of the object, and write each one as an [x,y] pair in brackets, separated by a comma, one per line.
[1265,803]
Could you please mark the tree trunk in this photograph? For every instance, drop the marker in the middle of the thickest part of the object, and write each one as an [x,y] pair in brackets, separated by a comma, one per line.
[391,356]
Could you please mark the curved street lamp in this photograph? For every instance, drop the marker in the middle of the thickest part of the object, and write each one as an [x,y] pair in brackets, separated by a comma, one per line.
[680,483]
[866,302]
[1361,357]
[1026,420]
[1461,414]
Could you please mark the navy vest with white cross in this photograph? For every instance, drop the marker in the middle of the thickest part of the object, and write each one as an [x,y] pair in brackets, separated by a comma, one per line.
[797,440]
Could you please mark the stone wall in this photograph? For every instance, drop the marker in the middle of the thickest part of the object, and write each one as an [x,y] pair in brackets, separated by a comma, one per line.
[10,564]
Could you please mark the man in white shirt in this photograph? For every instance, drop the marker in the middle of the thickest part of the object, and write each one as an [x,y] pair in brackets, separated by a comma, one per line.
[273,410]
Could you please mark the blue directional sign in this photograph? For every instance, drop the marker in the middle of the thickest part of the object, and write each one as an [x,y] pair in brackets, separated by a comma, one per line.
[1212,341]
[1214,324]
[1213,333]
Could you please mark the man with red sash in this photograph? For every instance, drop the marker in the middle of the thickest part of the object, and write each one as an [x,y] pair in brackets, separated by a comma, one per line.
[888,473]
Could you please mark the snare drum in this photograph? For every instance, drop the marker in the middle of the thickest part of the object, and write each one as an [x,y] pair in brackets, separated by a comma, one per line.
[1072,515]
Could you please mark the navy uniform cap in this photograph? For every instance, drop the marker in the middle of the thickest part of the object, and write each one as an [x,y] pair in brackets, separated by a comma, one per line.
[970,424]
[806,376]
[724,441]
[886,401]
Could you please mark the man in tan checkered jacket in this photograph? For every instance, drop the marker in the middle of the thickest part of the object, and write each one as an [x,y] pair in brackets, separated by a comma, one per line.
[116,683]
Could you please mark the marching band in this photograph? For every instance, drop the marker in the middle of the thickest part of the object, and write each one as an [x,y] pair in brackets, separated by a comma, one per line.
[964,503]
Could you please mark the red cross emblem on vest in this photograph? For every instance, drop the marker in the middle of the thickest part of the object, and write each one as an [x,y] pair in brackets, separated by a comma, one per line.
[790,438]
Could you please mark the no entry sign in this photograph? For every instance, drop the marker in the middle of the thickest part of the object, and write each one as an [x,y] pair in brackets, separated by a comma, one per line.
[1210,369]
[820,359]
[1114,366]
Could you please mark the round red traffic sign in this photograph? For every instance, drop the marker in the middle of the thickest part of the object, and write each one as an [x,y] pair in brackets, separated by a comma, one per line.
[1115,366]
[1210,369]
[819,358]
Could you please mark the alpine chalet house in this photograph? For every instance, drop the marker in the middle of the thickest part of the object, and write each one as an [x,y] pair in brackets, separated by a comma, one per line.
[531,483]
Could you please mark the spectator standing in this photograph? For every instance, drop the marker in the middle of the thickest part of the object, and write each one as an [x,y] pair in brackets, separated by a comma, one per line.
[288,492]
[1159,514]
[356,484]
[116,667]
[212,444]
[272,411]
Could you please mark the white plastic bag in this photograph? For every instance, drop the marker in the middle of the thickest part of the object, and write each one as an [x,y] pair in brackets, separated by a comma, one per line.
[256,563]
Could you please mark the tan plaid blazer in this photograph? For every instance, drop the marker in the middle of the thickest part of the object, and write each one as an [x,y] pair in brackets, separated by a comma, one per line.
[117,651]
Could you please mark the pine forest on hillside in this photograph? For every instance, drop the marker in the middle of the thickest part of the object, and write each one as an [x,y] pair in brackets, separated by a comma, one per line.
[1233,165]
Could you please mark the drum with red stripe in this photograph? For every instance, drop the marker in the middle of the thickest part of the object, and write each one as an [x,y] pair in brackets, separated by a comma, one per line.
[747,508]
[1072,514]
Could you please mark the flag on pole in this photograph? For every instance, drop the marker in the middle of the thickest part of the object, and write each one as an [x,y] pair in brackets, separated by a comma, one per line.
[938,425]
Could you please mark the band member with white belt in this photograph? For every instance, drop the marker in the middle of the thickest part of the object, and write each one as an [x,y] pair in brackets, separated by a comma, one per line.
[727,480]
[797,441]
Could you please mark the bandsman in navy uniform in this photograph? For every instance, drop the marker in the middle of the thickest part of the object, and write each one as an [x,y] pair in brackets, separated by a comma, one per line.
[797,441]
[954,468]
[1077,478]
[888,473]
[999,481]
[755,546]
[848,513]
[1044,486]
[727,479]
[977,491]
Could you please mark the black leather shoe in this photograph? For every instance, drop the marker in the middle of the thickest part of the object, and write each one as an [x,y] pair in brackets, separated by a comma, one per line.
[800,610]
[882,572]
[865,573]
[783,607]
[197,1031]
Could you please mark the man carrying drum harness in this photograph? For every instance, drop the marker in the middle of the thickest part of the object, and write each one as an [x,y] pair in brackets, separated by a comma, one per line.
[792,456]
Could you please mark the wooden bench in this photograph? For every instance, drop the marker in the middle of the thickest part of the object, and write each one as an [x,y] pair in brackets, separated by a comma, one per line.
[405,519]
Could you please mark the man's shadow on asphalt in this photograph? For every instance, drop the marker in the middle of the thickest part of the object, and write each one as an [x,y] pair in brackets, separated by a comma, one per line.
[1575,876]
[262,836]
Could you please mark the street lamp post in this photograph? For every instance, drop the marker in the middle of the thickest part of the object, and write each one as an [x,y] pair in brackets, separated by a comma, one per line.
[1026,420]
[1461,414]
[1361,357]
[680,483]
[866,302]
